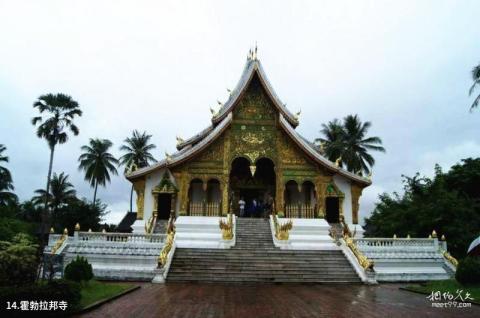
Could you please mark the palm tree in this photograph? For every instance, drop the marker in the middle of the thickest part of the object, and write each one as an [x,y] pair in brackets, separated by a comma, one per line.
[97,163]
[348,141]
[61,192]
[137,154]
[476,81]
[61,110]
[331,145]
[6,182]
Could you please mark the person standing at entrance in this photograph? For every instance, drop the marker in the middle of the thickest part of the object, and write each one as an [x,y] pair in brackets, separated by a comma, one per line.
[241,204]
[254,208]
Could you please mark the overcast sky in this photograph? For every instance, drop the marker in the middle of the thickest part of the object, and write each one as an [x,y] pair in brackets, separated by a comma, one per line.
[160,65]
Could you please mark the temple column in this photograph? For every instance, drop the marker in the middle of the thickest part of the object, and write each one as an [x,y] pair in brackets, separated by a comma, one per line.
[224,191]
[356,193]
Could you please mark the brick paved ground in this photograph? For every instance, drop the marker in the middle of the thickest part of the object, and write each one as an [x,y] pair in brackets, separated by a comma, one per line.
[248,301]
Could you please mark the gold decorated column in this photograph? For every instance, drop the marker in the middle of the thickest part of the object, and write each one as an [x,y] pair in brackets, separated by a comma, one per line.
[224,189]
[356,193]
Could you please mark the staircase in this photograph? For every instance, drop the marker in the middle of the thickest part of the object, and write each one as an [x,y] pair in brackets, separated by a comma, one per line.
[254,258]
[160,227]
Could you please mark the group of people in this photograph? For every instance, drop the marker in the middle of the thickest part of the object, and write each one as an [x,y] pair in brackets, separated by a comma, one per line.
[255,207]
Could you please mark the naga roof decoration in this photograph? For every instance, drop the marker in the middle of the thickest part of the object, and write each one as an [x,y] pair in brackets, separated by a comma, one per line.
[223,118]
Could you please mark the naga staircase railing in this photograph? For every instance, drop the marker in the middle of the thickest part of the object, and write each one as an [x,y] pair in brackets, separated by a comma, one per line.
[163,257]
[60,242]
[282,231]
[366,263]
[150,225]
[227,227]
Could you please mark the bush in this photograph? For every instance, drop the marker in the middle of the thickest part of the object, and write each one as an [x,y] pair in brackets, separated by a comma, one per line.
[57,290]
[18,261]
[79,270]
[468,271]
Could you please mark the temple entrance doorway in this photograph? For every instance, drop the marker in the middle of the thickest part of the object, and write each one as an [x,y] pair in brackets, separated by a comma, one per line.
[252,187]
[332,209]
[164,206]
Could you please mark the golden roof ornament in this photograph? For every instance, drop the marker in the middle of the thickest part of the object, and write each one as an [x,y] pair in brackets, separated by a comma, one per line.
[179,140]
[168,157]
[337,162]
[229,91]
[132,167]
[213,111]
[297,114]
[322,146]
[370,175]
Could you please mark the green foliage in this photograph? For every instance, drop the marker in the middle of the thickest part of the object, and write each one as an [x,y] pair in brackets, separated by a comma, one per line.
[97,163]
[79,211]
[62,110]
[348,140]
[79,270]
[6,183]
[476,81]
[57,290]
[10,226]
[94,291]
[18,261]
[137,151]
[468,271]
[449,204]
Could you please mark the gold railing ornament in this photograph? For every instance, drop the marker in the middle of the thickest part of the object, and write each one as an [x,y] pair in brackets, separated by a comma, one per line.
[450,258]
[77,227]
[60,241]
[162,259]
[282,230]
[227,227]
[366,263]
[149,226]
[434,234]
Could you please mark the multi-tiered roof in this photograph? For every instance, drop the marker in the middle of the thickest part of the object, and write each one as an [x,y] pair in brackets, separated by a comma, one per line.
[222,119]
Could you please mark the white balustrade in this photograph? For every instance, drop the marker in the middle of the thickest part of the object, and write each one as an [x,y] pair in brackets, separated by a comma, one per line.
[97,237]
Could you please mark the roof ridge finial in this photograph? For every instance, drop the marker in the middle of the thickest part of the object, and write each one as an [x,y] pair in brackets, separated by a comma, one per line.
[255,52]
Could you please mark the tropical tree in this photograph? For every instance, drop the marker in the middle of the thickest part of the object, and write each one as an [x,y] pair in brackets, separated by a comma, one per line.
[61,192]
[97,163]
[6,182]
[476,81]
[60,111]
[332,144]
[348,142]
[137,154]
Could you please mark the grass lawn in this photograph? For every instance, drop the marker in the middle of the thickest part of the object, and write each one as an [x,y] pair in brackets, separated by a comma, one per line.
[94,291]
[449,285]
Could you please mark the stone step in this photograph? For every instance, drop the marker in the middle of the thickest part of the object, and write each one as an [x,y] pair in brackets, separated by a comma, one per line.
[255,259]
[266,279]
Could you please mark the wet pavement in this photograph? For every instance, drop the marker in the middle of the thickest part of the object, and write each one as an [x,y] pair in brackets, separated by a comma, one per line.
[248,301]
